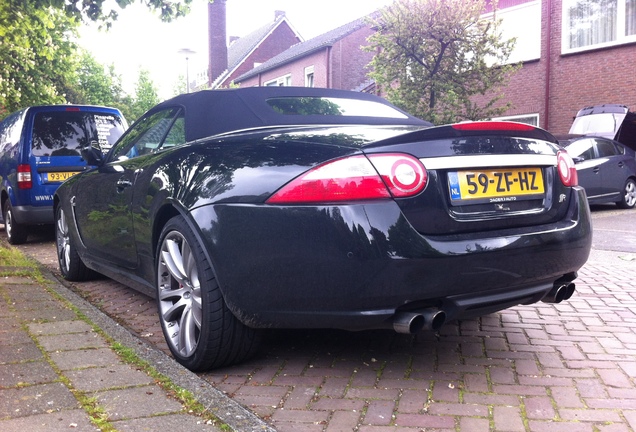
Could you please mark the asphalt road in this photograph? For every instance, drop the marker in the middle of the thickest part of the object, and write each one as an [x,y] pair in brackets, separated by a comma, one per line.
[614,229]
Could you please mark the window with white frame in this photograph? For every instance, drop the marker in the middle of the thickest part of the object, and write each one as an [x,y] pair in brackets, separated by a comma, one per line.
[309,76]
[284,81]
[522,22]
[531,119]
[591,24]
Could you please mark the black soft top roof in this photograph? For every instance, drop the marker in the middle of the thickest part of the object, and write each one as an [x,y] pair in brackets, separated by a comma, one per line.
[213,112]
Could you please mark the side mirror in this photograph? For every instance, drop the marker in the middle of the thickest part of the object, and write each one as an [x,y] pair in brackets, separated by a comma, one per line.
[578,159]
[93,154]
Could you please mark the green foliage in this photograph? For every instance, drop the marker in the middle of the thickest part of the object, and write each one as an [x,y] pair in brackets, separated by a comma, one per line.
[36,56]
[180,86]
[434,56]
[94,83]
[145,95]
[41,64]
[95,10]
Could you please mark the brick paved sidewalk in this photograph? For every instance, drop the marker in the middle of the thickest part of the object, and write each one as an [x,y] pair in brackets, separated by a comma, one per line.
[57,372]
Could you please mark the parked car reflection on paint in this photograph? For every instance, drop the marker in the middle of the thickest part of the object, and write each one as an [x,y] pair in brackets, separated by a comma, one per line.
[248,209]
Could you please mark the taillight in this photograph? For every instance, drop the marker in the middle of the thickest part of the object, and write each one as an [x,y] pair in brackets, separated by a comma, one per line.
[404,175]
[24,177]
[355,178]
[493,126]
[567,169]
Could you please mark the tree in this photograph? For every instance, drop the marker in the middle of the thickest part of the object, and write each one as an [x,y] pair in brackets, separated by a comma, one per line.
[180,86]
[433,57]
[36,56]
[146,95]
[94,10]
[96,85]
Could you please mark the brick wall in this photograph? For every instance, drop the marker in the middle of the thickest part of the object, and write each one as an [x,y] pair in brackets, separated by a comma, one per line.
[278,41]
[341,66]
[576,80]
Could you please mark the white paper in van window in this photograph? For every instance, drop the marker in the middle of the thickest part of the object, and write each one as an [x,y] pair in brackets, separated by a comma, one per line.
[104,125]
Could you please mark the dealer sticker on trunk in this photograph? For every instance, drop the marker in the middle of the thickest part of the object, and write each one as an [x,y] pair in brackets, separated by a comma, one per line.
[495,185]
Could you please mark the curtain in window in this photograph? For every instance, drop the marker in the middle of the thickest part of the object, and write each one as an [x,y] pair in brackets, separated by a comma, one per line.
[630,17]
[592,22]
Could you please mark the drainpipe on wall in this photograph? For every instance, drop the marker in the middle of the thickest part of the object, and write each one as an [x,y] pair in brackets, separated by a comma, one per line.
[548,64]
[328,66]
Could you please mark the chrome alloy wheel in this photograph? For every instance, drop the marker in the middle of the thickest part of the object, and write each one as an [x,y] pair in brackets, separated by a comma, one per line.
[8,222]
[62,242]
[179,294]
[630,194]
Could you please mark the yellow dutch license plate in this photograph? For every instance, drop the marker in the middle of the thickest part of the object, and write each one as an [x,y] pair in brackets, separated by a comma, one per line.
[58,176]
[495,185]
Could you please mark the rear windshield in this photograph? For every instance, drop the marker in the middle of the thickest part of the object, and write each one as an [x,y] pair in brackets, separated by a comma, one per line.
[332,106]
[63,133]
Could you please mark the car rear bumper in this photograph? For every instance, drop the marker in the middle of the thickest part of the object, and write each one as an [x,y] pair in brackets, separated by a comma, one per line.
[31,215]
[357,266]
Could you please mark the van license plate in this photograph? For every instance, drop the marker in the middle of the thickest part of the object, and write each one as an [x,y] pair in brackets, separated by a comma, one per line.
[58,176]
[495,185]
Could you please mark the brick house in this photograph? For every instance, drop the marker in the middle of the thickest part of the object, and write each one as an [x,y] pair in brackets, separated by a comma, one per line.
[332,60]
[574,53]
[243,54]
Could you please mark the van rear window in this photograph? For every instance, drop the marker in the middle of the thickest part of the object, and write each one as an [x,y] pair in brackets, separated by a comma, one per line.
[63,133]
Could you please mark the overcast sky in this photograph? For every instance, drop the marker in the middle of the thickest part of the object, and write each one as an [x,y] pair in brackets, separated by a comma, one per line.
[140,40]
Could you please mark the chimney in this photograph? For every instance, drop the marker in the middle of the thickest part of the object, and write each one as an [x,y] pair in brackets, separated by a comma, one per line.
[217,39]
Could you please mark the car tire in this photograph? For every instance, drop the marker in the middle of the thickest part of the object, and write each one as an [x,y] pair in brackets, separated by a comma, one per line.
[71,265]
[201,332]
[628,200]
[16,232]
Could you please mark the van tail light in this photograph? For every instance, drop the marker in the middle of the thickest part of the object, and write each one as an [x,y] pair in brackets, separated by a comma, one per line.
[567,169]
[24,177]
[378,176]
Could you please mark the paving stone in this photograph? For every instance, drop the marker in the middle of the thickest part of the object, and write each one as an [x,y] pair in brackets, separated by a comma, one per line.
[20,352]
[60,328]
[14,337]
[137,402]
[73,420]
[37,372]
[37,399]
[87,358]
[172,423]
[72,341]
[103,378]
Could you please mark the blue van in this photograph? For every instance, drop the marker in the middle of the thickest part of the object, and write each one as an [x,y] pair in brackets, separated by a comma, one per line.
[39,149]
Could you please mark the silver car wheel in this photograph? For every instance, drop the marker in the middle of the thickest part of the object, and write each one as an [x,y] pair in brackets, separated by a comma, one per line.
[62,240]
[8,222]
[630,194]
[179,294]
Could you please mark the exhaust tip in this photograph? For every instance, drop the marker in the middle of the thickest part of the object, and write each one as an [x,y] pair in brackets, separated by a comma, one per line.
[559,293]
[408,322]
[434,319]
[414,322]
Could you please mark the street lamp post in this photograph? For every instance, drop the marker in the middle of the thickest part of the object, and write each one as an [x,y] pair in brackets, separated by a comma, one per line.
[187,52]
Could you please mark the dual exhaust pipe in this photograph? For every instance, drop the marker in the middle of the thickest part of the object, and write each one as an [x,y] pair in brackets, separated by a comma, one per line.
[433,319]
[416,321]
[560,292]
